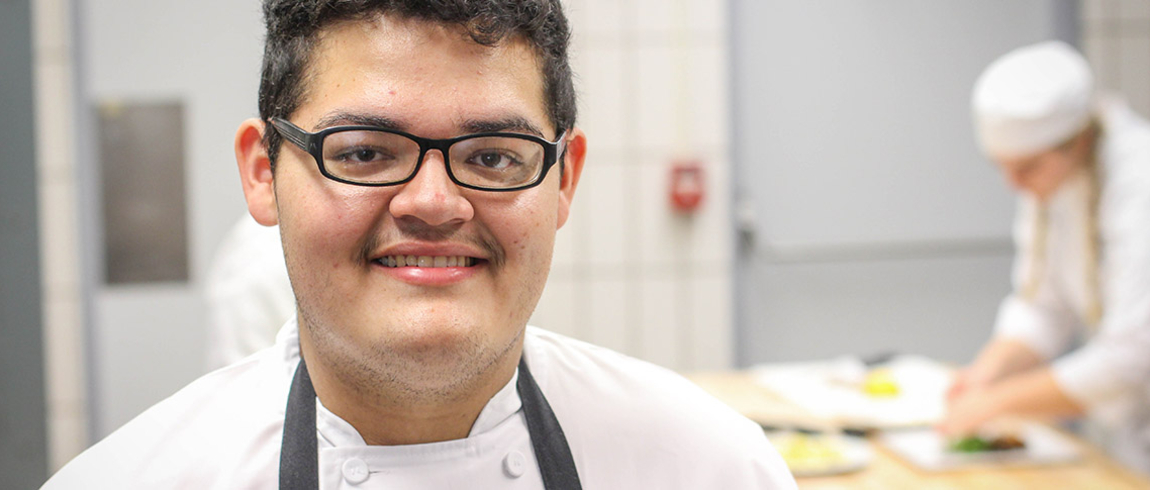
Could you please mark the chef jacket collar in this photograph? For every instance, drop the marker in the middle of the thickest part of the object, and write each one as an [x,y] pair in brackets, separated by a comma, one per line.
[334,431]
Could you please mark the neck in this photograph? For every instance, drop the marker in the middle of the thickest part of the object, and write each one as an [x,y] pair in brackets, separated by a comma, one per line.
[390,413]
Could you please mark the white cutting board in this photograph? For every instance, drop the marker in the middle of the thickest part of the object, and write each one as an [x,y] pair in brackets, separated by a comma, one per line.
[928,450]
[830,391]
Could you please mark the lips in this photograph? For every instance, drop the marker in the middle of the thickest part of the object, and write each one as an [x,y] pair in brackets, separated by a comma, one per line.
[428,267]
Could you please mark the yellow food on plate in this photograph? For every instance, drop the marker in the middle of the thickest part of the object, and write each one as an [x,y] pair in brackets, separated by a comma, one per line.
[808,453]
[880,382]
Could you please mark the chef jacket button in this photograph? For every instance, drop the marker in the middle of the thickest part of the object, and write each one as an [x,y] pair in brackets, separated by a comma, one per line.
[355,471]
[514,464]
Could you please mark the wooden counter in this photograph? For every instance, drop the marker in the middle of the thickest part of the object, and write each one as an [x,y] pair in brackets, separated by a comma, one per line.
[886,471]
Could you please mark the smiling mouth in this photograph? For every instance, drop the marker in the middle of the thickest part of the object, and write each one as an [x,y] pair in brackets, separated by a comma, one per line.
[431,261]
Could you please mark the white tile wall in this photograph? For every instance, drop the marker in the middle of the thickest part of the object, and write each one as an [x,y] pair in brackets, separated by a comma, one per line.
[708,117]
[54,149]
[679,17]
[610,302]
[712,237]
[63,342]
[564,255]
[557,306]
[1099,50]
[599,72]
[605,207]
[662,234]
[1096,10]
[63,324]
[58,223]
[50,27]
[598,18]
[652,79]
[660,323]
[660,105]
[712,303]
[1134,10]
[1134,53]
[1116,40]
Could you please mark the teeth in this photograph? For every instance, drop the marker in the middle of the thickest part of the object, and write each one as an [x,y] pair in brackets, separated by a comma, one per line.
[426,261]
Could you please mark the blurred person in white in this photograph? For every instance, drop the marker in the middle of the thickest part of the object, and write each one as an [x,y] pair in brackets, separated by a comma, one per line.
[248,293]
[418,214]
[1073,338]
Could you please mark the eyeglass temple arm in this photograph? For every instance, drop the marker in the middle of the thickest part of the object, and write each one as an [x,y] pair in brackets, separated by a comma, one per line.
[561,146]
[291,132]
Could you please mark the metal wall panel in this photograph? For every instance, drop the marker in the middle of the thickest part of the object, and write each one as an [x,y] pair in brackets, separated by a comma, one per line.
[142,169]
[870,220]
[23,433]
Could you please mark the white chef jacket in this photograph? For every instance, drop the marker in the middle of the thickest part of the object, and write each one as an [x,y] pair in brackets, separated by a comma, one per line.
[1110,373]
[629,424]
[249,295]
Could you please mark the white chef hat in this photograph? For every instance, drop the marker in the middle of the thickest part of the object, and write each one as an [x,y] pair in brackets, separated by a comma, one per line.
[1031,99]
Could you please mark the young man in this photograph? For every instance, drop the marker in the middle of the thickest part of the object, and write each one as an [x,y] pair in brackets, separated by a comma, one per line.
[418,158]
[1082,165]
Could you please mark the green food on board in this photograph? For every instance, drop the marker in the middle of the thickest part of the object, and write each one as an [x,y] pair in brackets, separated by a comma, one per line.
[975,444]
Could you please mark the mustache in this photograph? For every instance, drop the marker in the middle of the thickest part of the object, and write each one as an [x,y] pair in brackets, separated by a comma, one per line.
[416,230]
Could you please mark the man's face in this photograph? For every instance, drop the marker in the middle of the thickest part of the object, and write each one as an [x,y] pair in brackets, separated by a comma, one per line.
[441,322]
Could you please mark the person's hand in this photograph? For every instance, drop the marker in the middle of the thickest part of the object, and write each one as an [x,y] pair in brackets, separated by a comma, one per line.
[967,380]
[968,411]
[959,386]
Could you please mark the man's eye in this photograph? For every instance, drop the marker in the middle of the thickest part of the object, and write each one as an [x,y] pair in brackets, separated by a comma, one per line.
[362,155]
[493,160]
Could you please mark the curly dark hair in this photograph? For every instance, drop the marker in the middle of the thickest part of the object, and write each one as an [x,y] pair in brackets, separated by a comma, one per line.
[293,27]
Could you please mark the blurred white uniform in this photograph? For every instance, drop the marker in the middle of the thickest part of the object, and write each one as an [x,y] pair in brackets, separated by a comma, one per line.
[248,293]
[1110,373]
[630,425]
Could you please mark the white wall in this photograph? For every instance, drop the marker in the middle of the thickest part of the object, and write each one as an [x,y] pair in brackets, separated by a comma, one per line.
[628,272]
[1116,40]
[148,340]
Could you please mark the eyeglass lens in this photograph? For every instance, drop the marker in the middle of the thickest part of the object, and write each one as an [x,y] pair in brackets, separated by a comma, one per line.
[381,157]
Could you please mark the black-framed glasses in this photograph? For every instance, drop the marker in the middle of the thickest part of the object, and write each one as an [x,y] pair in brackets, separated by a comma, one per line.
[374,156]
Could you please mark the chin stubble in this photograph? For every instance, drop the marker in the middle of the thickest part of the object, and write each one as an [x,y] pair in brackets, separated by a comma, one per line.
[391,374]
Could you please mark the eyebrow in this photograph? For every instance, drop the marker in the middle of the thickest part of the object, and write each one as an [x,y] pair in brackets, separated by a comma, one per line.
[510,123]
[359,119]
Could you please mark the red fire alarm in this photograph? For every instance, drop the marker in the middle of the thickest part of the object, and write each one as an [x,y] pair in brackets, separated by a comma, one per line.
[687,186]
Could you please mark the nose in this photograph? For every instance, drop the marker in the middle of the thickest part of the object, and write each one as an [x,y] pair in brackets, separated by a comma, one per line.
[431,196]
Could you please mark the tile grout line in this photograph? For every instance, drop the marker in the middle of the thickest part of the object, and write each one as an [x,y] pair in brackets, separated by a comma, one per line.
[633,282]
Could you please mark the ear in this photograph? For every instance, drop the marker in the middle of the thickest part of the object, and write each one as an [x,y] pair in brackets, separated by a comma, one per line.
[256,172]
[572,169]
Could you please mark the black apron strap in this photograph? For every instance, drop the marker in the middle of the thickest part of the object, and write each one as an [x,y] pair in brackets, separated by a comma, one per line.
[299,456]
[551,449]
